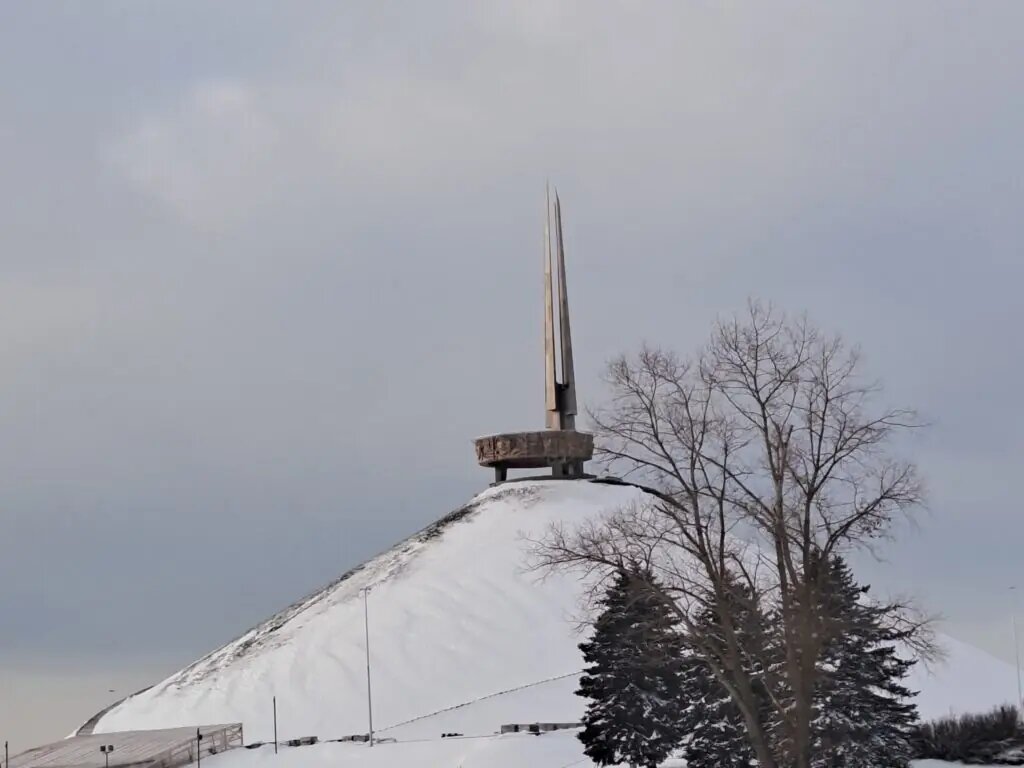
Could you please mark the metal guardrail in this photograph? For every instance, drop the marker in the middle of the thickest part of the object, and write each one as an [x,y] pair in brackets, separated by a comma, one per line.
[213,742]
[158,748]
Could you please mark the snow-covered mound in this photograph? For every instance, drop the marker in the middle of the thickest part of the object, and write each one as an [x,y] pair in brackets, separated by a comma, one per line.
[463,639]
[454,618]
[553,750]
[967,680]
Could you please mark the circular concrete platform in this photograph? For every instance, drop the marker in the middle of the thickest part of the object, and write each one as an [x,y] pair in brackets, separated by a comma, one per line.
[528,450]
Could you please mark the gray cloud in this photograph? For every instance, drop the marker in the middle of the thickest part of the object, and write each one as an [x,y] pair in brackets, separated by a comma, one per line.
[265,273]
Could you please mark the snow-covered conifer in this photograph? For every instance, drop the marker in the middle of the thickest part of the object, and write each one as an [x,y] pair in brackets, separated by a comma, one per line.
[634,663]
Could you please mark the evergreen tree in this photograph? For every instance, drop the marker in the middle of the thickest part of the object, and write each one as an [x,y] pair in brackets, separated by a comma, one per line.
[717,735]
[864,714]
[635,660]
[716,730]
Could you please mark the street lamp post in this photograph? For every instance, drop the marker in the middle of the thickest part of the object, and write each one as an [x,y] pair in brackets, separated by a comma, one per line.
[199,748]
[366,625]
[1016,653]
[106,749]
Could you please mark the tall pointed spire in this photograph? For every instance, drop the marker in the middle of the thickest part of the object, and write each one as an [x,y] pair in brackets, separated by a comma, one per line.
[568,404]
[552,420]
[559,391]
[558,446]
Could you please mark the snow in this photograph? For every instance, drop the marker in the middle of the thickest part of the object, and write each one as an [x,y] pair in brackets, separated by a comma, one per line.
[553,750]
[463,639]
[454,618]
[967,680]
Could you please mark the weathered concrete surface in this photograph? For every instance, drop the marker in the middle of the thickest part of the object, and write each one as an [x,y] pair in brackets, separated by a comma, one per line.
[559,447]
[529,450]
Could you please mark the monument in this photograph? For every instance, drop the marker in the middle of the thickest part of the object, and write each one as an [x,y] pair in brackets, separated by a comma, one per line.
[559,446]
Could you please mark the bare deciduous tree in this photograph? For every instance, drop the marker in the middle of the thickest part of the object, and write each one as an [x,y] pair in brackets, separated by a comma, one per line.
[764,456]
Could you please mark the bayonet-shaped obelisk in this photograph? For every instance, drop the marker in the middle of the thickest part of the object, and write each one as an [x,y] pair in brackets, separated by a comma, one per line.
[559,446]
[560,396]
[551,419]
[568,404]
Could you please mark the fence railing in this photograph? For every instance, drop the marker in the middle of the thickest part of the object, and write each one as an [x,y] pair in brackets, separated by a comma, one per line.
[213,742]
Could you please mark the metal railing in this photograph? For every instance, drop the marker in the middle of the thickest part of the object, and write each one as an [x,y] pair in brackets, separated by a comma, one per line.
[213,742]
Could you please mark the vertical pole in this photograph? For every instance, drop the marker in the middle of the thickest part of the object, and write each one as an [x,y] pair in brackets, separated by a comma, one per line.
[275,725]
[199,749]
[1016,652]
[369,695]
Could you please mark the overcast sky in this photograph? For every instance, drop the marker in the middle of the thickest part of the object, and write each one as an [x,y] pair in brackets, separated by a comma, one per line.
[267,267]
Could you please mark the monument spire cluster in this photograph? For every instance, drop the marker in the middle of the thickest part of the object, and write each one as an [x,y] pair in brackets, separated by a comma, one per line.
[559,396]
[559,446]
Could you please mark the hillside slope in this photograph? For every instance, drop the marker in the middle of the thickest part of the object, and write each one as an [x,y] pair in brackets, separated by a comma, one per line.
[463,639]
[454,618]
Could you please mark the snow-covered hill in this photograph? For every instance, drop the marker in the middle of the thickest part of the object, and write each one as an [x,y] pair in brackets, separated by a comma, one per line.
[552,750]
[454,618]
[463,639]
